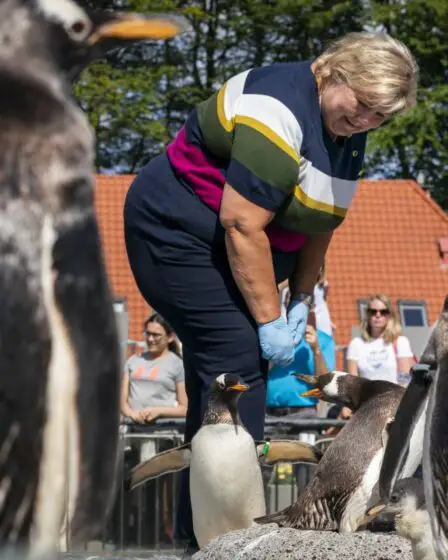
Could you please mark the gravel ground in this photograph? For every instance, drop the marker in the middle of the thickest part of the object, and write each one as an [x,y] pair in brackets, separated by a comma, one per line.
[268,542]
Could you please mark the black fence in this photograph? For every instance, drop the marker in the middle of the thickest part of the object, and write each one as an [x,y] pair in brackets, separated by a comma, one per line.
[145,518]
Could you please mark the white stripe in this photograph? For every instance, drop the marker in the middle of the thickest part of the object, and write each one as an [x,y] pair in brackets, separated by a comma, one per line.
[332,389]
[64,12]
[233,92]
[60,405]
[358,503]
[323,188]
[273,114]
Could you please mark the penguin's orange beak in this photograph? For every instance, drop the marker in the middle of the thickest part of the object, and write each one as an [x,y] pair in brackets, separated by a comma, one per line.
[316,393]
[240,387]
[372,513]
[130,26]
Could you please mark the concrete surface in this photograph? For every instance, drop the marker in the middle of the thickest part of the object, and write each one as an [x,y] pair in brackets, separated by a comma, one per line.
[268,542]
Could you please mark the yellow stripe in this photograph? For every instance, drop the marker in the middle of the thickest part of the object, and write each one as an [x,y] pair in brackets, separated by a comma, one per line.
[270,134]
[226,124]
[317,205]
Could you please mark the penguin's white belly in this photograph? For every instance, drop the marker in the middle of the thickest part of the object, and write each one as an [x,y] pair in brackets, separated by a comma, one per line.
[226,484]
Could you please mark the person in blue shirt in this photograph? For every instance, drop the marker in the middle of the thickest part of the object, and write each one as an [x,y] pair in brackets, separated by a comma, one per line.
[314,355]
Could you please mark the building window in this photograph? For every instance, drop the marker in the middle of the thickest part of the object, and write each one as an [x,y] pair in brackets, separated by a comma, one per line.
[413,313]
[443,248]
[362,307]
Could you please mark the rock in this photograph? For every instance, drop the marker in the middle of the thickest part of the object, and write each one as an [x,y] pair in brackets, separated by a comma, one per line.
[269,542]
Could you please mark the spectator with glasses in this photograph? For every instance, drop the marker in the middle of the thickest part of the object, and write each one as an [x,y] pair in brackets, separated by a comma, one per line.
[153,383]
[381,352]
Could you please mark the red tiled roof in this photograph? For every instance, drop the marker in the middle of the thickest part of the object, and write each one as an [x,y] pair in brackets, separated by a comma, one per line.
[109,200]
[388,243]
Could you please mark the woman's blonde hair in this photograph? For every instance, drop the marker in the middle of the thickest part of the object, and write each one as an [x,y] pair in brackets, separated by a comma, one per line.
[381,70]
[393,327]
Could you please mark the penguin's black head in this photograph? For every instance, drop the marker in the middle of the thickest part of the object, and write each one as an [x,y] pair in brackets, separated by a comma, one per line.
[72,35]
[228,384]
[407,497]
[407,493]
[333,387]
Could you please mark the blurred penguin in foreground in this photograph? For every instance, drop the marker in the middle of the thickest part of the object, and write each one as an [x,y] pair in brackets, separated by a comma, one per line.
[59,359]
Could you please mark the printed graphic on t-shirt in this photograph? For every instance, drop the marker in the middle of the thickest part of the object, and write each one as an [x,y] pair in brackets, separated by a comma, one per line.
[377,358]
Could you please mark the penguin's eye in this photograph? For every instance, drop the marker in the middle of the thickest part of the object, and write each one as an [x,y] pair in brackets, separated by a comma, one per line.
[79,30]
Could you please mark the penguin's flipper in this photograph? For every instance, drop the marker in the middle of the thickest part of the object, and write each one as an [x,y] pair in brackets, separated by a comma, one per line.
[435,463]
[399,432]
[169,461]
[288,451]
[385,432]
[282,518]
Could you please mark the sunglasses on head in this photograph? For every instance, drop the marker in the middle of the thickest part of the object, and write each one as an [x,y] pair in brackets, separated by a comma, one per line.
[374,312]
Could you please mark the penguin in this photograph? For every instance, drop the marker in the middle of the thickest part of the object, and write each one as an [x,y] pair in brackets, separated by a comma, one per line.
[428,385]
[226,485]
[59,355]
[412,521]
[344,483]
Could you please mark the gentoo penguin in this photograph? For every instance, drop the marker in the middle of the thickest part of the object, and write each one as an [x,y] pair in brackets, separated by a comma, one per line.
[412,521]
[429,383]
[226,485]
[59,358]
[343,484]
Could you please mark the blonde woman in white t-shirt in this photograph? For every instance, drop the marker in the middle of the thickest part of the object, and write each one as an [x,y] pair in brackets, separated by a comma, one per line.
[381,352]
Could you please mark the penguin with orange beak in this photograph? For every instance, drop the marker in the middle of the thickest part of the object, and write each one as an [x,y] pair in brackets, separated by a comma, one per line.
[226,484]
[344,484]
[59,355]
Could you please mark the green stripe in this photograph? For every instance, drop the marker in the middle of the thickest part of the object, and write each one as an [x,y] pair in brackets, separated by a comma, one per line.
[297,217]
[216,138]
[264,158]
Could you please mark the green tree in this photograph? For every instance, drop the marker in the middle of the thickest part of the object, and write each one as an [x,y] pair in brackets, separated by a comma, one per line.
[415,145]
[139,97]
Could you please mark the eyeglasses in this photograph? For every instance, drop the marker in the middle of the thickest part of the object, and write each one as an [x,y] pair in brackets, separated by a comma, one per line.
[374,312]
[149,334]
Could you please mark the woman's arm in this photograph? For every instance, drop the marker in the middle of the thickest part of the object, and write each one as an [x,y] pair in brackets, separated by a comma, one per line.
[309,262]
[125,409]
[352,367]
[178,411]
[124,396]
[250,254]
[320,367]
[404,364]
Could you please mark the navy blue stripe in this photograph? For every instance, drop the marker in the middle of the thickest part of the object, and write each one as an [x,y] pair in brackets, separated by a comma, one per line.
[253,188]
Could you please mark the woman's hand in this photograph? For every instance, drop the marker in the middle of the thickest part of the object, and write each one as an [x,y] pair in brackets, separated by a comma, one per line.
[150,414]
[311,337]
[345,413]
[138,416]
[276,342]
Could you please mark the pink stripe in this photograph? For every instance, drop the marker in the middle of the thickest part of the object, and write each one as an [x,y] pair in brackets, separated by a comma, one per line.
[193,166]
[207,181]
[284,239]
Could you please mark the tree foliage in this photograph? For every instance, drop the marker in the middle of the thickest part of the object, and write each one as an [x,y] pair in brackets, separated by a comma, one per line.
[139,97]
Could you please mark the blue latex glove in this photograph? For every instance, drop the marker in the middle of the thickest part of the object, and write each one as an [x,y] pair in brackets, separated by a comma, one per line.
[297,316]
[276,342]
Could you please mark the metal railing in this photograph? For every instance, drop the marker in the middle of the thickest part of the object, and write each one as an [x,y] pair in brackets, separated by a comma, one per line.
[145,517]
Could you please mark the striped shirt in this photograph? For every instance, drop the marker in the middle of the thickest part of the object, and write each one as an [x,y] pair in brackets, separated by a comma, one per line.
[262,133]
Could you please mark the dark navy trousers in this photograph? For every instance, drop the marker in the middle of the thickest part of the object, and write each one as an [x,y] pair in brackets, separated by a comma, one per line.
[176,250]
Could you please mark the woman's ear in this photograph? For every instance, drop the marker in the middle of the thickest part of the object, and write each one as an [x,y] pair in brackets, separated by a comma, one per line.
[171,338]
